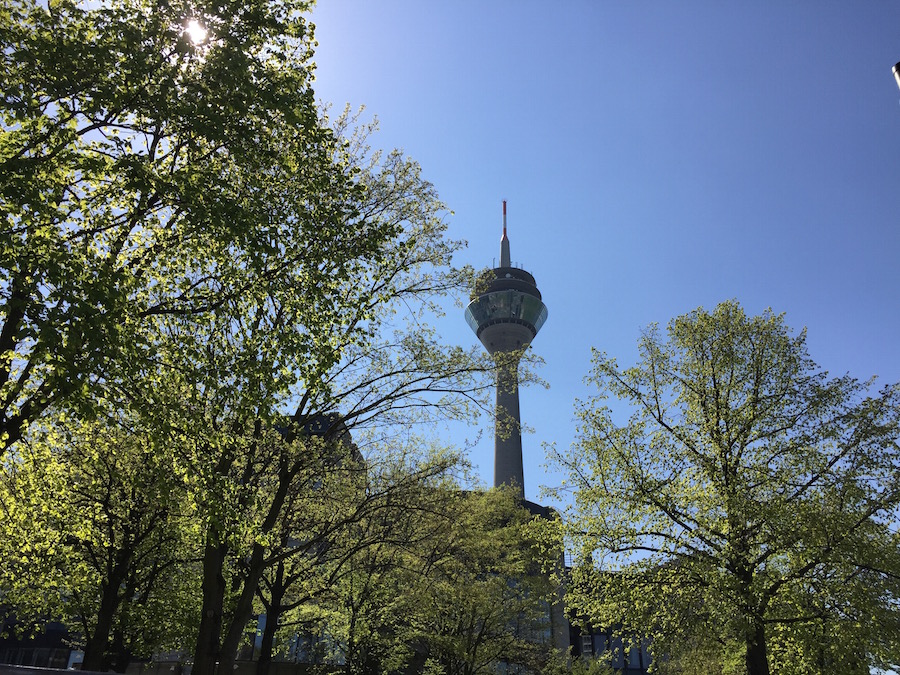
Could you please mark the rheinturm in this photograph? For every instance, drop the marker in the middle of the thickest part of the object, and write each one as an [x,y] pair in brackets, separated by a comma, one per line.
[506,314]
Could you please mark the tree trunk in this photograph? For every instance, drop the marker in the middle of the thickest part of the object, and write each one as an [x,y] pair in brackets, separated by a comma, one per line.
[273,614]
[206,652]
[243,610]
[255,568]
[121,656]
[757,658]
[267,649]
[97,643]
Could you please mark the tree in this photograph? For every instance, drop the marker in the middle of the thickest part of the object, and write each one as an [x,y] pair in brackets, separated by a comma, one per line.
[746,509]
[150,171]
[368,354]
[184,233]
[337,579]
[488,602]
[360,518]
[97,534]
[186,238]
[456,588]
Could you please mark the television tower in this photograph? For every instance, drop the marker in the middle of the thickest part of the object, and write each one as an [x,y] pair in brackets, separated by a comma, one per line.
[506,314]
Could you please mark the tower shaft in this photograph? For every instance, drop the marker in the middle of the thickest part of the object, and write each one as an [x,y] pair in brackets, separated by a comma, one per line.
[508,465]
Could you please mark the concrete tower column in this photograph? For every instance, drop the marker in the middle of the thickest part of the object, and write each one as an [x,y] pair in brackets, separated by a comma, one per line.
[508,465]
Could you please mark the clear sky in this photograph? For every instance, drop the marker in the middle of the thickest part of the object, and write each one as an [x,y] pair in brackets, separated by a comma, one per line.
[656,157]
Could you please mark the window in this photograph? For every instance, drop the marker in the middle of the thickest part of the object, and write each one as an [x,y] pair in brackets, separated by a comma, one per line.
[587,645]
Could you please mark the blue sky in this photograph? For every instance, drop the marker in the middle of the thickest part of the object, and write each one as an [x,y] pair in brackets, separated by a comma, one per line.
[656,157]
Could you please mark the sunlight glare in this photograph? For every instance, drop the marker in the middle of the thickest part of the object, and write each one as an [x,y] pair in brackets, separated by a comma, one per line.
[195,31]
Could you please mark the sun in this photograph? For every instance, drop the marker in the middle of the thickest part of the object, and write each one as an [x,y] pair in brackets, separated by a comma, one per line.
[195,31]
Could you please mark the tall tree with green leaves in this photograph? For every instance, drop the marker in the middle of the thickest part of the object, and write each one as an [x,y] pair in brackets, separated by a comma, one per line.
[747,507]
[185,236]
[98,533]
[184,233]
[271,359]
[487,603]
[373,529]
[156,159]
[455,587]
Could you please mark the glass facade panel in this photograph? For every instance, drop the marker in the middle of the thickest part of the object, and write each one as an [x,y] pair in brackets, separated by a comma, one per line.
[506,305]
[618,656]
[634,658]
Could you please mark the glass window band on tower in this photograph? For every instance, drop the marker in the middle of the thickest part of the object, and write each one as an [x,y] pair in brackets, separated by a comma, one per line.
[506,306]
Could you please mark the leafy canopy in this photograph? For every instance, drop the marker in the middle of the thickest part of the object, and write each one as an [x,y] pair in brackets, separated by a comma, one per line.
[145,175]
[746,506]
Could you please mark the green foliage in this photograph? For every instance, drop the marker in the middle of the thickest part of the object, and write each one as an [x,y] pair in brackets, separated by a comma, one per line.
[354,511]
[746,506]
[456,589]
[143,175]
[565,664]
[480,283]
[195,266]
[96,525]
[230,379]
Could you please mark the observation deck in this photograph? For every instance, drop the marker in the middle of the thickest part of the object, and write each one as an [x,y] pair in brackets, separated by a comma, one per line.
[509,312]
